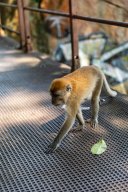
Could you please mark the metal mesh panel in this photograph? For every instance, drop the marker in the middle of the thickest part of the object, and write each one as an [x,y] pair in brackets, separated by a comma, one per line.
[29,123]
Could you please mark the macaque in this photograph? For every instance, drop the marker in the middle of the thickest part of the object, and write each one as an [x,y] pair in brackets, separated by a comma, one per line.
[70,91]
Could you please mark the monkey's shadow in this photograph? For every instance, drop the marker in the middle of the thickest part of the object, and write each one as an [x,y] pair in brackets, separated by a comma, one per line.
[51,128]
[87,137]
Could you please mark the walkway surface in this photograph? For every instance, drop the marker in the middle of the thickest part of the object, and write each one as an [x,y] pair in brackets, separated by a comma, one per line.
[29,123]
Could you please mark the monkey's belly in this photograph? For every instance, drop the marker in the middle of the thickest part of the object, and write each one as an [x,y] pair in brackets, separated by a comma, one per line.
[89,96]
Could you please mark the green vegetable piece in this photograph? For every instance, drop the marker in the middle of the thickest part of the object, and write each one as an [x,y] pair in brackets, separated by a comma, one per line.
[99,147]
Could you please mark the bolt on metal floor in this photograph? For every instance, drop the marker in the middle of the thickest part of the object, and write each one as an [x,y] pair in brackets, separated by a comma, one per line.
[29,123]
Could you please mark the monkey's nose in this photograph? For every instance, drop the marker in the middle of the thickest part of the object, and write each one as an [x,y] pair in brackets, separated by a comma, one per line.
[53,102]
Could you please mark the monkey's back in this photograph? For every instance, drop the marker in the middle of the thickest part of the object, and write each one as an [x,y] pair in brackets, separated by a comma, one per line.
[84,80]
[84,73]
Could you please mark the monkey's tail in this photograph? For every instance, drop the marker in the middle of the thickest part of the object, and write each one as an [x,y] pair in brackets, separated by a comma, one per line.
[109,90]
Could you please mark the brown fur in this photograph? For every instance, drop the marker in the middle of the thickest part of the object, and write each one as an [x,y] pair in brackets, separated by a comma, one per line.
[71,90]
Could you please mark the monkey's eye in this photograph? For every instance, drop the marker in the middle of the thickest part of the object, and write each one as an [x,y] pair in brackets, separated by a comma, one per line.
[68,88]
[55,95]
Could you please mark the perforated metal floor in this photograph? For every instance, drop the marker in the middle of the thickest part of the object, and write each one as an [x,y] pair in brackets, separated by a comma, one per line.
[28,124]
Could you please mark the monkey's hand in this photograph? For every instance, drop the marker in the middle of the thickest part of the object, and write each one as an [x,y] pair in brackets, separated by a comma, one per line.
[52,147]
[62,133]
[93,122]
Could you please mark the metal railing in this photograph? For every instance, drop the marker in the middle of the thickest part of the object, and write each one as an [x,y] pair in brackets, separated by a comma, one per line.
[24,32]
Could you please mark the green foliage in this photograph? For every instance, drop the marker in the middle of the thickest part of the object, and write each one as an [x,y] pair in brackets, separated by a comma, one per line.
[99,147]
[125,58]
[39,35]
[36,1]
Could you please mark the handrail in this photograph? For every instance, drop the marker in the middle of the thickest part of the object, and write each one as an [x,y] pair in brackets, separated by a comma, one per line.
[9,29]
[103,21]
[48,11]
[8,5]
[80,17]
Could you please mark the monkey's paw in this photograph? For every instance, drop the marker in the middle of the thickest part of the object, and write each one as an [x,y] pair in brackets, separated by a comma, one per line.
[51,148]
[93,122]
[76,129]
[102,101]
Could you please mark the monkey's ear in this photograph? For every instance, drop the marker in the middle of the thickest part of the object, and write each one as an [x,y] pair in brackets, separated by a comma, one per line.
[68,88]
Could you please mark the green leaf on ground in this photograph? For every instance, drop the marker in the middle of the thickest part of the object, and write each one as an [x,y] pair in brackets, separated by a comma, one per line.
[99,147]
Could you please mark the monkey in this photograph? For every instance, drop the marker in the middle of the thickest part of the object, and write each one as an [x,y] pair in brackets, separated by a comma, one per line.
[70,91]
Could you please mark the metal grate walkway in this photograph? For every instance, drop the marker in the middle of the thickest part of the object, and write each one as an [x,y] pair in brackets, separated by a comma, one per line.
[28,123]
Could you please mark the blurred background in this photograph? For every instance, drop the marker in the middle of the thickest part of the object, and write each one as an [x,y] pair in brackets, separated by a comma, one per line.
[103,45]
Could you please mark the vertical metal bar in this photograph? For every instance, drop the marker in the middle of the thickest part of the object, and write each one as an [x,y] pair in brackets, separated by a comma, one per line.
[27,27]
[24,26]
[71,33]
[21,25]
[74,36]
[0,23]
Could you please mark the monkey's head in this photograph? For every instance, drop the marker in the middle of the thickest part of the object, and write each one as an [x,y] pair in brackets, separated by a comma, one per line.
[60,91]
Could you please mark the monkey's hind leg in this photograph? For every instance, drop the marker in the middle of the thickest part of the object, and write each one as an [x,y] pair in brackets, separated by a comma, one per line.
[95,104]
[81,122]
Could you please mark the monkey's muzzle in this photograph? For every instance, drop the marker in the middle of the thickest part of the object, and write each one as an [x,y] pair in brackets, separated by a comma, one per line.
[55,103]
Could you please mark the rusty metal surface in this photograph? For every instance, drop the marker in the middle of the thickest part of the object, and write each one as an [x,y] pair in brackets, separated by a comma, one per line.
[29,123]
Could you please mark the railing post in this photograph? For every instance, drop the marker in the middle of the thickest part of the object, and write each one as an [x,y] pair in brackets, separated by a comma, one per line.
[74,34]
[1,29]
[24,27]
[27,26]
[0,23]
[21,25]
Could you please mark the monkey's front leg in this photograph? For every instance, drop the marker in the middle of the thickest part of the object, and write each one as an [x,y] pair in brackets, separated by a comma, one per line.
[80,119]
[62,133]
